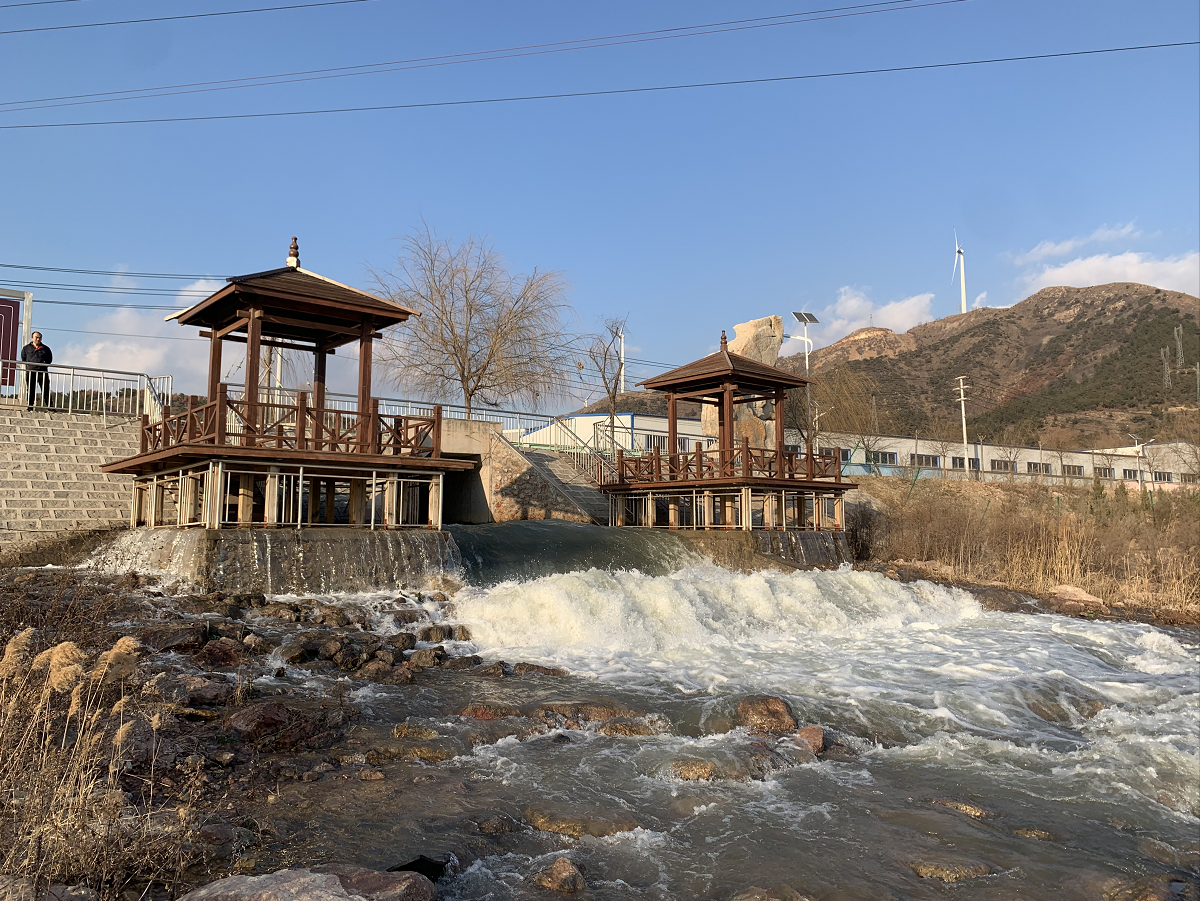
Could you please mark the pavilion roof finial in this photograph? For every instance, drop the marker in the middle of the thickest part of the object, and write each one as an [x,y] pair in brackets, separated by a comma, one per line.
[723,344]
[293,259]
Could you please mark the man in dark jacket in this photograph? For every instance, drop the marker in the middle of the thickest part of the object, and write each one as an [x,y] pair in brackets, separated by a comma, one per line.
[37,356]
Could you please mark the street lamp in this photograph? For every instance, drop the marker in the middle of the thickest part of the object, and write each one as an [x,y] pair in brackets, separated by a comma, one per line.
[1140,446]
[804,319]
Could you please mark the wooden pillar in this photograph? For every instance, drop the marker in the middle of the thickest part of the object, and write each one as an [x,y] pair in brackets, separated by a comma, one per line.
[365,345]
[620,500]
[780,400]
[271,498]
[673,511]
[214,365]
[672,435]
[727,423]
[707,506]
[330,497]
[319,378]
[435,502]
[839,512]
[781,511]
[747,509]
[358,501]
[135,507]
[818,513]
[301,420]
[313,490]
[245,498]
[253,354]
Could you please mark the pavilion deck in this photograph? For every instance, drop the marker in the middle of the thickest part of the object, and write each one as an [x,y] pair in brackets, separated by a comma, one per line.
[727,467]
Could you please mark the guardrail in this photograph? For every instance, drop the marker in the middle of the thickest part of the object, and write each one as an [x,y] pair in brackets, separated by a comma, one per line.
[82,389]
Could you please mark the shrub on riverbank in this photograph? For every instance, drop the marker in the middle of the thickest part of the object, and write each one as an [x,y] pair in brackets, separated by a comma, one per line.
[70,732]
[1116,545]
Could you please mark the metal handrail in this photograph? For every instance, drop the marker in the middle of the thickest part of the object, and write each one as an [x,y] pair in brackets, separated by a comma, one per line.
[85,389]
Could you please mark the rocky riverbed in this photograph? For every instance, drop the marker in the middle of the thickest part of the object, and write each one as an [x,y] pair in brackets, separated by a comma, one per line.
[694,735]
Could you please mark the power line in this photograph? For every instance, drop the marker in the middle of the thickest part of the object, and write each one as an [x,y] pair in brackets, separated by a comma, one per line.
[661,34]
[108,272]
[75,331]
[230,12]
[113,306]
[36,3]
[108,289]
[611,92]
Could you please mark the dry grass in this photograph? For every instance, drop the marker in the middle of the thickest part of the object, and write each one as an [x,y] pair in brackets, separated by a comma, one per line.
[1122,548]
[73,809]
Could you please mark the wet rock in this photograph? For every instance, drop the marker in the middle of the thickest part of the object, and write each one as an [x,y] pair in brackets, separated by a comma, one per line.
[200,692]
[692,770]
[288,613]
[429,752]
[402,641]
[165,687]
[430,867]
[307,885]
[838,752]
[256,644]
[813,736]
[223,652]
[561,876]
[376,886]
[495,670]
[522,669]
[782,893]
[1040,835]
[258,720]
[766,713]
[462,633]
[370,774]
[971,810]
[247,599]
[436,634]
[350,657]
[298,651]
[174,636]
[427,657]
[574,714]
[623,726]
[408,615]
[498,825]
[223,629]
[390,656]
[1162,887]
[327,649]
[330,616]
[223,840]
[460,663]
[405,730]
[19,889]
[1186,857]
[384,673]
[222,758]
[949,872]
[576,824]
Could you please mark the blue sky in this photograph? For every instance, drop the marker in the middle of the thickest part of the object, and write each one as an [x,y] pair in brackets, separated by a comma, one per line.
[688,210]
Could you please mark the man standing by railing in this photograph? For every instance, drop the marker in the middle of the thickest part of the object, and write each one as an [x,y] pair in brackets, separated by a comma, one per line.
[37,356]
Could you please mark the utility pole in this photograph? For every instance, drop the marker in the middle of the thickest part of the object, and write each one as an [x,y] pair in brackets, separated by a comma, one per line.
[622,362]
[804,319]
[962,404]
[1166,361]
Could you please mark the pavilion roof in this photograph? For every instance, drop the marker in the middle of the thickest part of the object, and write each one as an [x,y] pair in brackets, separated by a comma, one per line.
[722,368]
[316,307]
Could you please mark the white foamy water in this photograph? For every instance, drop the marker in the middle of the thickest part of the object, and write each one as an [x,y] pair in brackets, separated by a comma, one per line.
[1045,705]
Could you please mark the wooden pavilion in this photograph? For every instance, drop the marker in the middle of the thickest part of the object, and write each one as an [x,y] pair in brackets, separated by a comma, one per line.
[734,485]
[255,455]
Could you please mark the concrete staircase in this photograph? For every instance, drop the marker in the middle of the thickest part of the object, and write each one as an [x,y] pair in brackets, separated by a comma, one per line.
[50,479]
[555,468]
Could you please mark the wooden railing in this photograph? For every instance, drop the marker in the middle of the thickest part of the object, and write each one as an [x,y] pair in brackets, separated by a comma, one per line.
[236,422]
[727,463]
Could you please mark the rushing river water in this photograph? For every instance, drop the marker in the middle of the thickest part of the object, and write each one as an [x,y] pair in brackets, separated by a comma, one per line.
[1079,740]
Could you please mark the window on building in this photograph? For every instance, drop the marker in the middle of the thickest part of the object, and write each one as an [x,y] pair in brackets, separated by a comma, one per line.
[1189,478]
[1130,475]
[957,463]
[1003,466]
[656,442]
[881,458]
[1070,469]
[1039,469]
[1105,472]
[843,452]
[925,461]
[1164,476]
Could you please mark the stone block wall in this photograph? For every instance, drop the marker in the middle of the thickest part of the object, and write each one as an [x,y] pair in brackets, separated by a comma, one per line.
[51,487]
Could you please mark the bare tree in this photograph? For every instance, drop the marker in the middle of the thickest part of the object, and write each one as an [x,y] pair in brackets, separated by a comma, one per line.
[944,437]
[605,353]
[483,331]
[848,399]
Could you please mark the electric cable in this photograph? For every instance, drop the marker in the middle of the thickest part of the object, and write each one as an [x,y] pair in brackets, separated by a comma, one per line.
[110,272]
[609,92]
[230,12]
[661,34]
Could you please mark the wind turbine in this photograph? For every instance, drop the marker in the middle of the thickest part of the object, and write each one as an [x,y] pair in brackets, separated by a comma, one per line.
[960,259]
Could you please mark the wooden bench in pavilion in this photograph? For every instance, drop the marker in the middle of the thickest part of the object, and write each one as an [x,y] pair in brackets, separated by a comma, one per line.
[273,457]
[734,485]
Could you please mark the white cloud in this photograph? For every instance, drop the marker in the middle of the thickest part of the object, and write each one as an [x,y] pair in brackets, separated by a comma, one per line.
[133,340]
[979,301]
[1179,273]
[854,310]
[1047,249]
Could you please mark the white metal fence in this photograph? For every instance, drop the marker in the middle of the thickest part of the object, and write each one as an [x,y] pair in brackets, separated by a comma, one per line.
[80,389]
